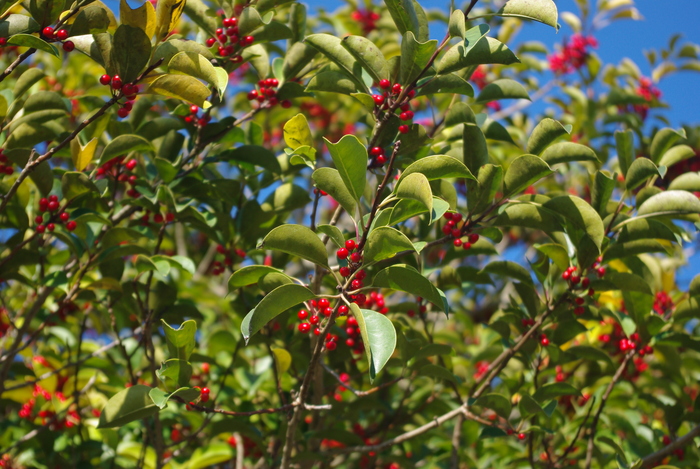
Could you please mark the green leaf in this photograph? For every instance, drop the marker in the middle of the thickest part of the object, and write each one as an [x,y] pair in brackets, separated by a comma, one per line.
[198,66]
[182,87]
[297,132]
[297,57]
[333,49]
[639,171]
[368,55]
[645,228]
[16,24]
[581,215]
[175,373]
[124,144]
[437,372]
[297,240]
[623,281]
[249,20]
[528,216]
[27,40]
[670,203]
[332,82]
[546,132]
[404,14]
[601,191]
[417,187]
[170,48]
[437,167]
[522,172]
[383,243]
[350,158]
[557,253]
[662,141]
[554,390]
[126,406]
[508,269]
[277,301]
[131,51]
[590,353]
[481,193]
[283,359]
[686,182]
[404,278]
[528,406]
[329,180]
[74,184]
[475,150]
[414,56]
[379,336]
[457,25]
[624,142]
[473,36]
[274,31]
[676,155]
[496,402]
[449,83]
[614,445]
[181,341]
[161,398]
[486,51]
[566,152]
[252,154]
[687,308]
[544,11]
[503,88]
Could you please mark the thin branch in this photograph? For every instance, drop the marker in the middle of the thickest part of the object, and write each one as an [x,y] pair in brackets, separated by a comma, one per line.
[653,458]
[21,58]
[275,410]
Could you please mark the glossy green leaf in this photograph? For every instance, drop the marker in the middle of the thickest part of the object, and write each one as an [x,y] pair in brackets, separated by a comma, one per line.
[662,141]
[639,171]
[567,152]
[528,216]
[175,373]
[131,51]
[624,141]
[181,341]
[404,14]
[198,66]
[524,171]
[332,82]
[128,405]
[544,134]
[404,278]
[496,402]
[379,336]
[415,56]
[182,87]
[449,83]
[416,186]
[670,203]
[457,24]
[554,390]
[298,56]
[473,36]
[601,191]
[590,353]
[350,158]
[123,144]
[475,149]
[528,406]
[297,240]
[74,184]
[557,253]
[16,24]
[437,167]
[676,154]
[686,182]
[486,51]
[173,46]
[368,55]
[508,269]
[252,154]
[687,308]
[482,192]
[645,228]
[161,398]
[544,11]
[249,20]
[333,49]
[633,248]
[503,88]
[383,243]
[580,214]
[623,281]
[277,301]
[329,180]
[27,40]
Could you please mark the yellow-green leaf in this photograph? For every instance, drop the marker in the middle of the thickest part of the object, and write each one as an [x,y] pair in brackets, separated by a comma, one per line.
[143,17]
[297,132]
[181,87]
[168,13]
[198,66]
[82,155]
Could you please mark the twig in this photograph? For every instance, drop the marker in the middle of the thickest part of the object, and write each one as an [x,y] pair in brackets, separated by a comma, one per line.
[21,58]
[231,413]
[578,433]
[653,458]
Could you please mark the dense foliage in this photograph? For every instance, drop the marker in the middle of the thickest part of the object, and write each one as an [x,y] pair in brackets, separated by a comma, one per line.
[234,234]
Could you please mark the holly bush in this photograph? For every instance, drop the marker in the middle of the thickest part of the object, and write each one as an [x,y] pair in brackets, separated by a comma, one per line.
[235,233]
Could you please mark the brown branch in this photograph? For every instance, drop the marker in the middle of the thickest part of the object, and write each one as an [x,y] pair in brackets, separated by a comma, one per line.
[570,448]
[21,58]
[231,413]
[653,458]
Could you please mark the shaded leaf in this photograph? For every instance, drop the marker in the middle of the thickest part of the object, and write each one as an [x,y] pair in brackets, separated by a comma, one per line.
[404,278]
[566,152]
[296,240]
[523,172]
[277,301]
[128,405]
[546,132]
[329,180]
[503,88]
[383,243]
[350,158]
[486,51]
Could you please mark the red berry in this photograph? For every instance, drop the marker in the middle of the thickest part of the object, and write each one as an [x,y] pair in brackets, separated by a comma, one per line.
[53,205]
[579,301]
[48,32]
[53,198]
[131,164]
[585,282]
[342,253]
[381,160]
[579,310]
[304,327]
[314,319]
[396,88]
[43,204]
[350,245]
[105,79]
[219,31]
[345,271]
[39,219]
[122,112]
[521,436]
[544,341]
[71,225]
[356,283]
[158,218]
[68,46]
[323,303]
[116,82]
[356,257]
[406,116]
[404,129]
[211,41]
[457,242]
[331,345]
[128,106]
[376,151]
[601,271]
[302,314]
[473,238]
[361,274]
[169,217]
[3,41]
[129,89]
[350,342]
[466,246]
[252,95]
[286,104]
[575,279]
[566,275]
[342,309]
[384,83]
[40,228]
[378,99]
[51,226]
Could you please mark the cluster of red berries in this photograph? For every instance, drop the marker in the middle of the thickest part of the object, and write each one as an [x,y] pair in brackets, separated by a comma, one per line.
[49,35]
[248,445]
[121,89]
[6,459]
[354,260]
[680,454]
[267,93]
[56,215]
[573,55]
[229,34]
[482,367]
[452,228]
[663,303]
[387,97]
[320,307]
[193,117]
[121,170]
[367,18]
[5,168]
[203,394]
[66,308]
[47,417]
[218,266]
[159,218]
[647,91]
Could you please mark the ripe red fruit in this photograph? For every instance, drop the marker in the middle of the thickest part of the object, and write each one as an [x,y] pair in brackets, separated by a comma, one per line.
[360,275]
[601,271]
[575,279]
[396,88]
[376,151]
[39,219]
[381,160]
[43,204]
[521,436]
[122,112]
[314,319]
[302,314]
[345,271]
[247,40]
[53,198]
[131,164]
[342,309]
[51,226]
[579,301]
[252,95]
[356,257]
[71,225]
[384,83]
[566,275]
[68,46]
[105,79]
[350,244]
[116,82]
[304,327]
[457,242]
[62,34]
[378,99]
[473,238]
[406,116]
[286,104]
[3,41]
[129,89]
[40,228]
[211,41]
[331,345]
[544,341]
[48,32]
[342,253]
[579,310]
[158,218]
[323,303]
[466,246]
[53,205]
[404,129]
[169,217]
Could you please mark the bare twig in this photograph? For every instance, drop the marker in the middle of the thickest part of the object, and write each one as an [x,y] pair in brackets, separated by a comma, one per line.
[653,458]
